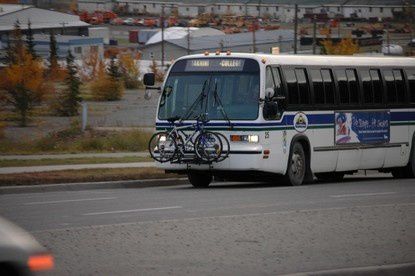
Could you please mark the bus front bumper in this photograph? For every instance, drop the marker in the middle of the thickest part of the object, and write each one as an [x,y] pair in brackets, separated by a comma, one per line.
[241,158]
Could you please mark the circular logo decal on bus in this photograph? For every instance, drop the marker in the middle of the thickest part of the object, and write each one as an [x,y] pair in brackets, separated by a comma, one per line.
[300,122]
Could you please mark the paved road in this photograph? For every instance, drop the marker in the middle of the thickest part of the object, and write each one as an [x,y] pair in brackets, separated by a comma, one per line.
[229,229]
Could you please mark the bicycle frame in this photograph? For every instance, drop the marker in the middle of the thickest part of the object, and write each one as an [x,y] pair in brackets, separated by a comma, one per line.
[188,138]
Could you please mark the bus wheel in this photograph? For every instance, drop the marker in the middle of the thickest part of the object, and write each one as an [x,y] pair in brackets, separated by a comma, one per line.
[330,176]
[409,170]
[296,165]
[199,179]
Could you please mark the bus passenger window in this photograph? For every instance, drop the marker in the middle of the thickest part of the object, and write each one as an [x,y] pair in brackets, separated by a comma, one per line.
[367,87]
[277,81]
[343,88]
[411,81]
[303,88]
[328,86]
[269,79]
[290,78]
[353,87]
[377,86]
[390,86]
[317,86]
[400,86]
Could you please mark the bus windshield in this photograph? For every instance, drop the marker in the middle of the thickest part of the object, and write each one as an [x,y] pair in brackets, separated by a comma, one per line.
[234,95]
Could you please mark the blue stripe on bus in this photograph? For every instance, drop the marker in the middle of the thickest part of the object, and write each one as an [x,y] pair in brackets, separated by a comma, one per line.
[313,119]
[402,116]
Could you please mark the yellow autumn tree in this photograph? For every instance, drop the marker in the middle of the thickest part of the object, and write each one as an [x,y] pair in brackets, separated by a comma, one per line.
[90,66]
[158,73]
[105,87]
[22,84]
[129,71]
[345,47]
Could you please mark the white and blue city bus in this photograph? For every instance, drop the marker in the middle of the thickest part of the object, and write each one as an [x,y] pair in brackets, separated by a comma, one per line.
[296,116]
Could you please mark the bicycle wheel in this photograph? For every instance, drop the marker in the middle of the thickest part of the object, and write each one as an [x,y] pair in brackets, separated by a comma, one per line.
[162,146]
[208,146]
[226,147]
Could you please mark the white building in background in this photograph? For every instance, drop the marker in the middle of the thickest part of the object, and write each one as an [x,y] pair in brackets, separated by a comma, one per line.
[281,9]
[95,5]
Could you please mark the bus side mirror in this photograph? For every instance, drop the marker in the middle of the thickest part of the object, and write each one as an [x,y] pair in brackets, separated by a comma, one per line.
[149,79]
[270,110]
[269,93]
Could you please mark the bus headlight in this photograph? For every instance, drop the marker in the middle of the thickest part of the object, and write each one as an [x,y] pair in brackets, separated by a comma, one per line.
[253,138]
[245,138]
[162,138]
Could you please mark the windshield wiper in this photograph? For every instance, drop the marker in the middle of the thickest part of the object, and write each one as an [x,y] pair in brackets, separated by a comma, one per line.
[219,102]
[199,98]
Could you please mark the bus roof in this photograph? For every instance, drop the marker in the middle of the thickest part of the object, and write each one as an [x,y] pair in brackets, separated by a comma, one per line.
[377,61]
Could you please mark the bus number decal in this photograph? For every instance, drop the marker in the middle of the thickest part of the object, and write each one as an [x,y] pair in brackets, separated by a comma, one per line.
[266,134]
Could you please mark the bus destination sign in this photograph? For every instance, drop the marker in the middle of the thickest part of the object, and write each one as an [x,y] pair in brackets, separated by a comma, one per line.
[221,65]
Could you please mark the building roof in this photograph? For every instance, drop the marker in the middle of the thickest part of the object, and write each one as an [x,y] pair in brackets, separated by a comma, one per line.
[174,33]
[233,40]
[9,8]
[39,18]
[273,2]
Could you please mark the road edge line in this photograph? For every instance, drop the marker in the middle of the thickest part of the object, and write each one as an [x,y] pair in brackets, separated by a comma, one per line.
[141,183]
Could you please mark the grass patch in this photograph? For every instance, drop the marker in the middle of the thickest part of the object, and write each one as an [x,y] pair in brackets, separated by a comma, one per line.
[72,140]
[72,161]
[77,176]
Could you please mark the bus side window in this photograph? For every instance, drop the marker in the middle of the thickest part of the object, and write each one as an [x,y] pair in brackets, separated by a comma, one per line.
[343,87]
[269,79]
[291,79]
[390,87]
[303,87]
[353,87]
[411,80]
[328,86]
[400,86]
[317,86]
[377,86]
[277,81]
[367,87]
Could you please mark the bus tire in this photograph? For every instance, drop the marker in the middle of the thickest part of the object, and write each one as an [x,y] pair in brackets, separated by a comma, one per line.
[330,176]
[297,165]
[199,179]
[409,170]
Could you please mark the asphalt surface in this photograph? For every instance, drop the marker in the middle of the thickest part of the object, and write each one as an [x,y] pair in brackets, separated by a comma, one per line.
[228,229]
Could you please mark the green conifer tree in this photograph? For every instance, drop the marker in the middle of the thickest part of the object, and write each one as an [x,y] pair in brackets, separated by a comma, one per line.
[29,40]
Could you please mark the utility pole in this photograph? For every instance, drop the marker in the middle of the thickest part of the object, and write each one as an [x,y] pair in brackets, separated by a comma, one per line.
[259,8]
[314,34]
[63,27]
[188,39]
[254,25]
[162,36]
[388,41]
[295,28]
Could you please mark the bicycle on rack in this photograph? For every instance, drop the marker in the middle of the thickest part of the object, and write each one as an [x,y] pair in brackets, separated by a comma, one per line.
[199,146]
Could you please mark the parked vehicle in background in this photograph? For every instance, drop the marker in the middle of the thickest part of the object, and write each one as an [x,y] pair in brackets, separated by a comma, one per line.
[129,21]
[117,22]
[20,253]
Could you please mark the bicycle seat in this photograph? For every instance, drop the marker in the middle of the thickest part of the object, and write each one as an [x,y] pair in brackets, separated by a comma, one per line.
[171,120]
